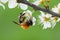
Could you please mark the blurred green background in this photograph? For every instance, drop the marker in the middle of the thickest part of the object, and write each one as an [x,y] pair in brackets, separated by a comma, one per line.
[11,31]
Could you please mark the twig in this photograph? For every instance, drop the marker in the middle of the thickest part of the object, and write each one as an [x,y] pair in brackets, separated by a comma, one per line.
[38,8]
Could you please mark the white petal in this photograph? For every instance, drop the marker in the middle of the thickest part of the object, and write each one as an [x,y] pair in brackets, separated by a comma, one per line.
[37,2]
[58,20]
[42,13]
[3,1]
[47,25]
[58,5]
[12,3]
[41,19]
[53,23]
[34,20]
[55,10]
[23,6]
[2,6]
[52,18]
[48,15]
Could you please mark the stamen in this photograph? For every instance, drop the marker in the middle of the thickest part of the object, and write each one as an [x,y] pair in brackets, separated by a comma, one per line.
[48,1]
[46,6]
[55,18]
[46,19]
[42,1]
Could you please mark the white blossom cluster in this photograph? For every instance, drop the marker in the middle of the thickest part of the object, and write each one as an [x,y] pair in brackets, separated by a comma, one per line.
[13,4]
[45,19]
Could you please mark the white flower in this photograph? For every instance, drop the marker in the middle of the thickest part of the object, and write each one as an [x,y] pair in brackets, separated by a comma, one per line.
[55,19]
[56,8]
[2,6]
[45,20]
[13,4]
[4,1]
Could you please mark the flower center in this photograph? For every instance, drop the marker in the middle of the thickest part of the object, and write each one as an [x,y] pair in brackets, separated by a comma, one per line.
[56,18]
[46,19]
[41,1]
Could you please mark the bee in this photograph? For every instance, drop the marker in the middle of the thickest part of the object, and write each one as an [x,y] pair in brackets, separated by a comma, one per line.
[24,22]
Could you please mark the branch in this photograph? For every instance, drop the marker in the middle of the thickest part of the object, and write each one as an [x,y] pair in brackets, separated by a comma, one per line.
[38,8]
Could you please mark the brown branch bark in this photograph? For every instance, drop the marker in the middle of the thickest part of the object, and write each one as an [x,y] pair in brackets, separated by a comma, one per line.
[38,8]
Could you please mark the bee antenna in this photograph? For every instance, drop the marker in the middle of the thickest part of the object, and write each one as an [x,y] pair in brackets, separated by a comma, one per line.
[15,22]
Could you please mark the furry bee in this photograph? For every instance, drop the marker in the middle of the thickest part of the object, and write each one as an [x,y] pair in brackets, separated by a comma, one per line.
[24,22]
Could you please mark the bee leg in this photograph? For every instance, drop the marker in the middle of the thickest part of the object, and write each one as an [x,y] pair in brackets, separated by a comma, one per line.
[15,22]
